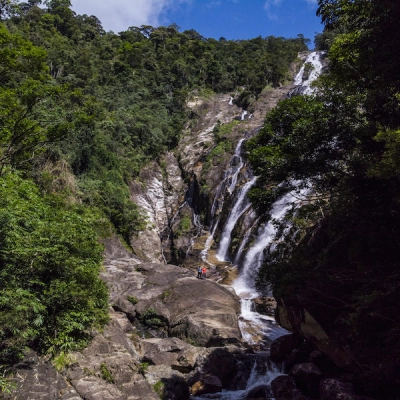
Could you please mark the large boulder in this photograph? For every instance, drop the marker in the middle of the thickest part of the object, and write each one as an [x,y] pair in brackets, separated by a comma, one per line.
[207,384]
[283,346]
[203,312]
[171,299]
[307,377]
[174,352]
[284,388]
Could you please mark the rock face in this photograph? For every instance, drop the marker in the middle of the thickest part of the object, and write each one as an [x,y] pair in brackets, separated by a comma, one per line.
[37,379]
[172,352]
[183,306]
[158,195]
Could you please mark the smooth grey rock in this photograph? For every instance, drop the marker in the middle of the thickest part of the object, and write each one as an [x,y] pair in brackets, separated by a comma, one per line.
[174,352]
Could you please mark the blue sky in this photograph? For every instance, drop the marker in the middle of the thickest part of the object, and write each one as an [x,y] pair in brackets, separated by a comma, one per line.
[232,19]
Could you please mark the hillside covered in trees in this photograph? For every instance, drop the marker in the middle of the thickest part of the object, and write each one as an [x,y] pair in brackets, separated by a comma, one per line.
[341,256]
[81,111]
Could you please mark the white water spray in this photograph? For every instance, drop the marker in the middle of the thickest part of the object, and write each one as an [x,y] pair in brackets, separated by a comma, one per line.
[241,205]
[244,285]
[313,59]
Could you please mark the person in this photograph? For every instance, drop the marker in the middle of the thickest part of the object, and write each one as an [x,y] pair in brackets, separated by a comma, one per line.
[199,272]
[204,272]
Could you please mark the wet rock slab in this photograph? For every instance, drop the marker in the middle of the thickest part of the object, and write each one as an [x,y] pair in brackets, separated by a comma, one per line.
[200,311]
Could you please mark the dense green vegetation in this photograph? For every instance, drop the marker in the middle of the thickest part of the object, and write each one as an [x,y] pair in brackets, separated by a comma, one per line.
[49,264]
[81,111]
[342,253]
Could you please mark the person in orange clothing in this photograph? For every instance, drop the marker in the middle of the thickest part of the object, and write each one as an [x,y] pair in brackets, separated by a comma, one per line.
[204,271]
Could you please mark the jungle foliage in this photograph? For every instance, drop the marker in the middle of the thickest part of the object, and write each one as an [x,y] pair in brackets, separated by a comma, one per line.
[343,143]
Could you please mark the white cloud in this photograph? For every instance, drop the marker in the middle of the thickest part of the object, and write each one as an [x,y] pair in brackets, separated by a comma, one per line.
[269,7]
[118,15]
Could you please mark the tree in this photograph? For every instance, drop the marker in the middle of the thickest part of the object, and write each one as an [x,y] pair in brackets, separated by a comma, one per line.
[360,53]
[24,126]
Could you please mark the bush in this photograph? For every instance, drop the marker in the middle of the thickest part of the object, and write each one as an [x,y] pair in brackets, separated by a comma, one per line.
[49,264]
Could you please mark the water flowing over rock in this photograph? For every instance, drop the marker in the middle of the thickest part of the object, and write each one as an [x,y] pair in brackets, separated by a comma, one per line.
[309,72]
[238,209]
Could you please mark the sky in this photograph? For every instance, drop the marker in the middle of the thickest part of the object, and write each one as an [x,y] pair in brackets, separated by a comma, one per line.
[231,19]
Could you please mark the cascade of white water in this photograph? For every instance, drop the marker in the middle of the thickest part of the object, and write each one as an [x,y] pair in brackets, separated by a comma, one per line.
[255,379]
[244,285]
[241,205]
[230,101]
[235,169]
[243,243]
[315,61]
[244,113]
[235,165]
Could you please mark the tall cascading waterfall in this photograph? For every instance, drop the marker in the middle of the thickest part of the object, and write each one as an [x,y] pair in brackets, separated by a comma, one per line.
[250,263]
[228,184]
[262,239]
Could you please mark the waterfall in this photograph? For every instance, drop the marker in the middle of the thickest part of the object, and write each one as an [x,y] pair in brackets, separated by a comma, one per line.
[230,101]
[315,61]
[234,171]
[204,252]
[257,329]
[255,379]
[244,285]
[241,205]
[245,239]
[235,165]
